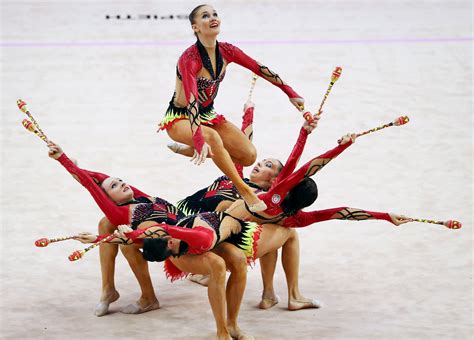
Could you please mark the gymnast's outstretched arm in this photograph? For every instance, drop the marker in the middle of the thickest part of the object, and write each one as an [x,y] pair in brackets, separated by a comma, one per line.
[281,188]
[234,54]
[303,219]
[295,154]
[198,238]
[116,214]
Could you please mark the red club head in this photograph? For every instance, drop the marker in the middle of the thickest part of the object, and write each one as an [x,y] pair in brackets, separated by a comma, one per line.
[336,74]
[22,105]
[453,224]
[42,242]
[75,256]
[401,120]
[28,125]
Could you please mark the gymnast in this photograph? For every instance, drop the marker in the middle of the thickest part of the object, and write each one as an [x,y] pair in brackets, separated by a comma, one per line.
[124,204]
[191,118]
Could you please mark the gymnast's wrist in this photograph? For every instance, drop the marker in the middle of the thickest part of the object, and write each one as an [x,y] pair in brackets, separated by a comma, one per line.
[198,140]
[100,238]
[134,235]
[290,92]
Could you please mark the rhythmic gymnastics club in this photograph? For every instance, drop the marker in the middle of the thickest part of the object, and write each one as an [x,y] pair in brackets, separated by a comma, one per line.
[31,127]
[76,255]
[43,242]
[402,120]
[22,106]
[334,77]
[252,85]
[450,224]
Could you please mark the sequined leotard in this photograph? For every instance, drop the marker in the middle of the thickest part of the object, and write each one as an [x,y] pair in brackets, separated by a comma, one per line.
[207,199]
[200,92]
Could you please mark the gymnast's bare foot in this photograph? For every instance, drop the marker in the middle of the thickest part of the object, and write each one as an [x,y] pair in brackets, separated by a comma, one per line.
[303,303]
[236,333]
[268,301]
[201,279]
[223,335]
[253,202]
[141,306]
[106,299]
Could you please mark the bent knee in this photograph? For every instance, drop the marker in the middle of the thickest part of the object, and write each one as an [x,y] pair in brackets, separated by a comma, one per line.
[292,232]
[130,249]
[248,156]
[212,138]
[217,267]
[237,262]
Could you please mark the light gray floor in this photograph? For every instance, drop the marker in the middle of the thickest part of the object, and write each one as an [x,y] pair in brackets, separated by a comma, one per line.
[98,87]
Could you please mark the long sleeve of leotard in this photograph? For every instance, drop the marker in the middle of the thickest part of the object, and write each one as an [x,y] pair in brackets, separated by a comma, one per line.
[281,189]
[294,157]
[247,120]
[313,166]
[189,68]
[234,54]
[303,218]
[115,214]
[198,238]
[100,177]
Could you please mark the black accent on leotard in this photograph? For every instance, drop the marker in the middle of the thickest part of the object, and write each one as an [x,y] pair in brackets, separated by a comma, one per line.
[214,220]
[206,60]
[157,210]
[207,199]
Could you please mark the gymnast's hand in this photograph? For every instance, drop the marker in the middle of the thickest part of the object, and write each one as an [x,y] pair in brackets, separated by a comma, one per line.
[121,230]
[399,219]
[298,103]
[85,237]
[248,105]
[55,150]
[346,138]
[199,158]
[309,127]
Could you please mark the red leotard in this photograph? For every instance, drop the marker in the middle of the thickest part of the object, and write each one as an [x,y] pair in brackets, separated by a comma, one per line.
[189,66]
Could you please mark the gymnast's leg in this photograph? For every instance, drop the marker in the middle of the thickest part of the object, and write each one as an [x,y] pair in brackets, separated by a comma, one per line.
[181,133]
[272,238]
[108,252]
[236,263]
[214,266]
[139,265]
[267,269]
[290,258]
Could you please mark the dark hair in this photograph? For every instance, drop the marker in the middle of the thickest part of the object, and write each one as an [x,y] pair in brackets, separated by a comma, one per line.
[156,249]
[193,13]
[280,165]
[300,196]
